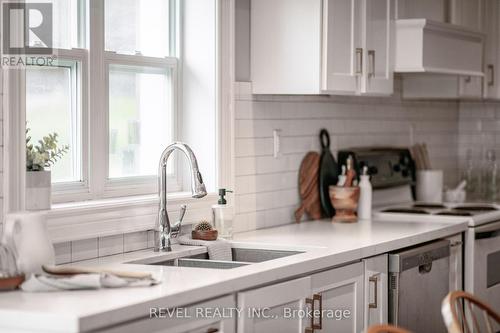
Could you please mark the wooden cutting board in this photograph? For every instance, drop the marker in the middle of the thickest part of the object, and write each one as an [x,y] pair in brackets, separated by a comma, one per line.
[308,188]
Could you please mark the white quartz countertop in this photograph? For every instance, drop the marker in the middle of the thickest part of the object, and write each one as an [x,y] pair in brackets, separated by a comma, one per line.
[326,245]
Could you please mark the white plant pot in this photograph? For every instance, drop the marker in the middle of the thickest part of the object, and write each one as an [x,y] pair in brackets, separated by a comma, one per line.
[38,189]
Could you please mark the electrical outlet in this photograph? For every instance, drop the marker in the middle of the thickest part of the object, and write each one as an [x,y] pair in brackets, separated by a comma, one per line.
[276,143]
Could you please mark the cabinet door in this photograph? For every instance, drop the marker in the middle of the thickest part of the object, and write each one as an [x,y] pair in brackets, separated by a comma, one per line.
[342,61]
[274,308]
[207,317]
[467,13]
[470,87]
[376,290]
[379,47]
[339,293]
[492,50]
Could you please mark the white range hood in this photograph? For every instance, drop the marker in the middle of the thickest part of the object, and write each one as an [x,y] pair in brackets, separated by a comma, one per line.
[424,46]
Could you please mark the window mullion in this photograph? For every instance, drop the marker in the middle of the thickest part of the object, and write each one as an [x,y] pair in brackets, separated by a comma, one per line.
[98,141]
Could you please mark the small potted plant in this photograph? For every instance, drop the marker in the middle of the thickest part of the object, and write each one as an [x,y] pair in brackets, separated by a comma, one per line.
[39,158]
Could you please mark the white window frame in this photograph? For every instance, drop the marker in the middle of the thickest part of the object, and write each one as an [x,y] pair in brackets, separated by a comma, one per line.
[95,183]
[96,218]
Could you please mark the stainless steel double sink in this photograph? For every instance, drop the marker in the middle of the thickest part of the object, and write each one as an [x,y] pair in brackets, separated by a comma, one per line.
[241,257]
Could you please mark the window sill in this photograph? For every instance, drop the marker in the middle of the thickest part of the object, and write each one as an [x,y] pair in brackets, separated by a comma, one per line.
[98,218]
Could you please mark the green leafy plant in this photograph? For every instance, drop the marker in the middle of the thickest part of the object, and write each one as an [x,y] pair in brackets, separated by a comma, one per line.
[45,154]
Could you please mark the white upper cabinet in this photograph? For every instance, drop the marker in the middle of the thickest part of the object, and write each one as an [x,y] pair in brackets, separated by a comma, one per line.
[378,47]
[467,13]
[492,50]
[322,47]
[285,46]
[435,10]
[342,65]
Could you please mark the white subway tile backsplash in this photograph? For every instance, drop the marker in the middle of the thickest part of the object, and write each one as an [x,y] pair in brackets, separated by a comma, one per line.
[84,249]
[62,252]
[110,245]
[267,186]
[135,241]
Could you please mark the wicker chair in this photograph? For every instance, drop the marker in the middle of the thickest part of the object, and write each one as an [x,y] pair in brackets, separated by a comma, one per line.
[386,329]
[464,313]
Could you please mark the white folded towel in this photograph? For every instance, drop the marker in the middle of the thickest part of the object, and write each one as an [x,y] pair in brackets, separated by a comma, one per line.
[219,249]
[40,283]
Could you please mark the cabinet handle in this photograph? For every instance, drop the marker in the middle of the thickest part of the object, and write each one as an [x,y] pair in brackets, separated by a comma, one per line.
[212,330]
[374,305]
[491,72]
[359,60]
[371,57]
[312,301]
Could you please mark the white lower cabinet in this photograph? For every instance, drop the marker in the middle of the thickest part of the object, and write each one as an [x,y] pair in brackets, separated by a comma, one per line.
[376,290]
[266,309]
[339,293]
[330,301]
[207,317]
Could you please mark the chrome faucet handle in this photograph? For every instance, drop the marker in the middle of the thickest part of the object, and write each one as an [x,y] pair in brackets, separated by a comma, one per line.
[176,229]
[182,213]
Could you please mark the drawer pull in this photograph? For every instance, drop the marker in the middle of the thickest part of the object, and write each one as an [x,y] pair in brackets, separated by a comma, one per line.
[374,280]
[359,61]
[312,301]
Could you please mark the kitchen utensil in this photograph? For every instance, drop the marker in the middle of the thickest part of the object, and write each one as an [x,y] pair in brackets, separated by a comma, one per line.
[308,187]
[10,277]
[73,270]
[345,200]
[26,233]
[328,173]
[456,195]
[350,175]
[208,235]
[430,186]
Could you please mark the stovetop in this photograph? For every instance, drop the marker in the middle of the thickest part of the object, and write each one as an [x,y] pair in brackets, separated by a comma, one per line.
[440,209]
[478,214]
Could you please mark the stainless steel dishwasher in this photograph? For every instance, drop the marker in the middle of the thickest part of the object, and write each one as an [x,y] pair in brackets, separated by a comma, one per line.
[418,282]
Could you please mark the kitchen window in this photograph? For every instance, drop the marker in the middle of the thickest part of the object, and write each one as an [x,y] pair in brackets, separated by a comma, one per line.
[112,96]
[131,76]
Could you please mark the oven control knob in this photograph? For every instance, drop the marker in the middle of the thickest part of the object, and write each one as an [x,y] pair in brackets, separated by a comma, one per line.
[372,170]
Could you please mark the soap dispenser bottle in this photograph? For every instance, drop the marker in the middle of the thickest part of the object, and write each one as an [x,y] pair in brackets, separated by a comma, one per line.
[365,197]
[222,216]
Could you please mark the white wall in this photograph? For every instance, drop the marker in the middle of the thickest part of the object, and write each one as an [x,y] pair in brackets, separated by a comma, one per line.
[266,188]
[479,129]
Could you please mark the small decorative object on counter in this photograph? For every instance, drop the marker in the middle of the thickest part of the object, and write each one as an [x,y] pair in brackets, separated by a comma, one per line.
[222,215]
[342,177]
[10,276]
[38,180]
[26,234]
[204,231]
[345,198]
[429,187]
[365,198]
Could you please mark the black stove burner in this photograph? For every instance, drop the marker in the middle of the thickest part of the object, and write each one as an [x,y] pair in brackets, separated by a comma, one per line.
[454,212]
[429,205]
[406,211]
[476,208]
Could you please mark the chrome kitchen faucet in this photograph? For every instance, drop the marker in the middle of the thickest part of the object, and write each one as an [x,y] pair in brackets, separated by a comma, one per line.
[166,231]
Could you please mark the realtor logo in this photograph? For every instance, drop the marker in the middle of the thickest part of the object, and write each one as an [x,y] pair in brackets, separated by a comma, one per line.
[27,35]
[27,28]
